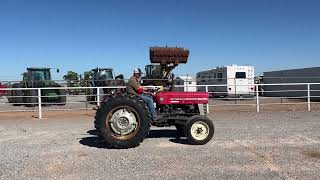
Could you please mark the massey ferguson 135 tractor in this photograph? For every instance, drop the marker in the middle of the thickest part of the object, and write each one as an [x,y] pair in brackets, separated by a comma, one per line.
[123,120]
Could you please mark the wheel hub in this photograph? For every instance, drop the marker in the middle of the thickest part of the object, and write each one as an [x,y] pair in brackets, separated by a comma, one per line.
[200,130]
[123,122]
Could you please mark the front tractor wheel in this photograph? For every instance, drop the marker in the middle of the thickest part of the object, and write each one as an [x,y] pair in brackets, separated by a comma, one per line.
[199,130]
[123,121]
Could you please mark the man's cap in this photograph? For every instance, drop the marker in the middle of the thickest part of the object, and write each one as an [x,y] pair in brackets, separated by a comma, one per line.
[137,71]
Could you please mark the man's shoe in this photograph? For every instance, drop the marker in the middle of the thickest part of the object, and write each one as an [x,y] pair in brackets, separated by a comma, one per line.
[158,119]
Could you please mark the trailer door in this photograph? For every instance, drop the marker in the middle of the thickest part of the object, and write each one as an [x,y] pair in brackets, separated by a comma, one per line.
[241,82]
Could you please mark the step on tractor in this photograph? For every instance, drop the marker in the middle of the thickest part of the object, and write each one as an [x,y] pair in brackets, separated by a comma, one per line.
[102,77]
[123,120]
[37,78]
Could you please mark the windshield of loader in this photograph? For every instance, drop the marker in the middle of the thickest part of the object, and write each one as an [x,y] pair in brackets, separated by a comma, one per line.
[104,74]
[40,75]
[153,71]
[149,69]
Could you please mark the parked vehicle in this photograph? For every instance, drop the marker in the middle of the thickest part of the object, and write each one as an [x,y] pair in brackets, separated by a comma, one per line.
[231,81]
[2,91]
[102,77]
[36,78]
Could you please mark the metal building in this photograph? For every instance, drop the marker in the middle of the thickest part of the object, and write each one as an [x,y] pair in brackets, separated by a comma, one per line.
[304,75]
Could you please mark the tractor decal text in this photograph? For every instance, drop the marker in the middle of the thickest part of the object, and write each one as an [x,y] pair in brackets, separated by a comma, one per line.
[189,99]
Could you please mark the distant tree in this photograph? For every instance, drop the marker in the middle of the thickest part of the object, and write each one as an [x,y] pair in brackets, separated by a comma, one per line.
[71,76]
[87,75]
[72,79]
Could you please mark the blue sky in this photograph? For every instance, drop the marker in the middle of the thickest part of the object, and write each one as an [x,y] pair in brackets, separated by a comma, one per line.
[80,35]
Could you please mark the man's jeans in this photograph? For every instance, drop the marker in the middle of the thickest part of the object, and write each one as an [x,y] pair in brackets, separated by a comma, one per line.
[149,101]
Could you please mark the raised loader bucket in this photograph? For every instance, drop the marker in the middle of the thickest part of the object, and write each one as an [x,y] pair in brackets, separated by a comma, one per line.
[168,55]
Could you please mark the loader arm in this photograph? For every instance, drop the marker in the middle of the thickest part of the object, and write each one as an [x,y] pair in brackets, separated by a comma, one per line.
[167,58]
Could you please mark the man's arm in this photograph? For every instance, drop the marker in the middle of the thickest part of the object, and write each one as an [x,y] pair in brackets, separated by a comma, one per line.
[138,88]
[135,85]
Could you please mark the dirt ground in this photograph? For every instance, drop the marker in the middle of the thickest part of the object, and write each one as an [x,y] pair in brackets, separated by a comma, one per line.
[246,145]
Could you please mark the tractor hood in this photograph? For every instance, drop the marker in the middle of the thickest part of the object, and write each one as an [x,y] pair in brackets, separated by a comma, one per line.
[182,98]
[49,83]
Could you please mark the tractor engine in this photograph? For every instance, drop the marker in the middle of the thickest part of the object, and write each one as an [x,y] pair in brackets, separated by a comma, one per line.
[178,109]
[181,103]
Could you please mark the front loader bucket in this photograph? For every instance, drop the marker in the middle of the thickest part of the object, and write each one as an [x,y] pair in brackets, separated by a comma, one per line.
[169,55]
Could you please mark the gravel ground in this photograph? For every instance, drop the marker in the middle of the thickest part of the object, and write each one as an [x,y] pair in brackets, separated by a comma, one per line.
[282,145]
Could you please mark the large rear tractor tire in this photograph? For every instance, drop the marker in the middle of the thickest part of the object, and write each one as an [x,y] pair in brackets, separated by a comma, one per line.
[31,98]
[15,96]
[90,94]
[62,97]
[18,98]
[9,97]
[123,121]
[199,130]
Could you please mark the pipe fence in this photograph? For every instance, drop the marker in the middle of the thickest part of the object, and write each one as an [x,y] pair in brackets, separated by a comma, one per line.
[56,98]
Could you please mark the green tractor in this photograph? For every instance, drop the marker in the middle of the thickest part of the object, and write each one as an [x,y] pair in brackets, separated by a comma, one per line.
[37,78]
[102,77]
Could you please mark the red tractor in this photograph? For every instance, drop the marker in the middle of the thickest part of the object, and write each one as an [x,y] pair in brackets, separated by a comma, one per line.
[123,120]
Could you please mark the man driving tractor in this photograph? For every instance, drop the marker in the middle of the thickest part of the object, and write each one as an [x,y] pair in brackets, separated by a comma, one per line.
[134,87]
[123,120]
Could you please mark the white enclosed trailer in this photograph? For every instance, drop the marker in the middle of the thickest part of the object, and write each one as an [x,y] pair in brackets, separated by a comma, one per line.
[231,80]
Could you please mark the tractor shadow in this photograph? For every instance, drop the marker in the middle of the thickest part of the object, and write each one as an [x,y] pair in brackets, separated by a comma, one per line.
[172,134]
[97,142]
[93,141]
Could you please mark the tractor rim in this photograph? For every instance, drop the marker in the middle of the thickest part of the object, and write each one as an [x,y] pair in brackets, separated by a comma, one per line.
[199,130]
[124,121]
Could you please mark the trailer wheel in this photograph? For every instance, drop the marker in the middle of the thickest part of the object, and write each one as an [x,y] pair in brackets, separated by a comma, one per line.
[199,130]
[123,121]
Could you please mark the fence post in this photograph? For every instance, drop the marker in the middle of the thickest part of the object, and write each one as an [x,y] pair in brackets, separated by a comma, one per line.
[309,104]
[208,100]
[186,82]
[39,103]
[257,98]
[98,96]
